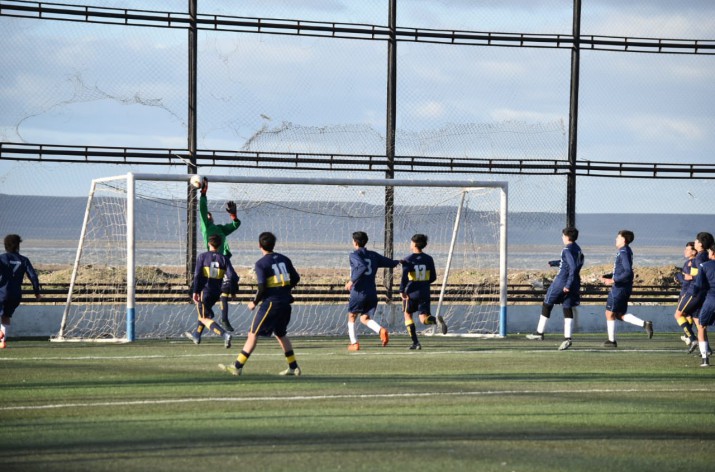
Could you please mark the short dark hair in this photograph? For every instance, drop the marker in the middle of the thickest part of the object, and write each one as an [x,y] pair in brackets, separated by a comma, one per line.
[12,243]
[420,241]
[690,244]
[267,241]
[360,237]
[627,235]
[571,233]
[215,240]
[706,239]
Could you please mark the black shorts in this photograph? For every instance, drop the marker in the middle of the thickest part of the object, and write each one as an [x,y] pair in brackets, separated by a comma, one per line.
[419,304]
[8,306]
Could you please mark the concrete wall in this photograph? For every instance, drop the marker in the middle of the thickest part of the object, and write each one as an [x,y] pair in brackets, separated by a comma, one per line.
[44,320]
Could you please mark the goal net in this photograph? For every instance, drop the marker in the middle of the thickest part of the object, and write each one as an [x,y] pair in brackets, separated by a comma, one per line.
[130,279]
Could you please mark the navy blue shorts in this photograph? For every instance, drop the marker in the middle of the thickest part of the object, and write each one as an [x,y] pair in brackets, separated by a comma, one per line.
[707,313]
[556,296]
[618,299]
[7,307]
[689,305]
[271,318]
[362,304]
[420,304]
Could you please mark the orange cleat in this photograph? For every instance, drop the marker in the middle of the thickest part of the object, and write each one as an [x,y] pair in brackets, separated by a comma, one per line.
[3,344]
[384,336]
[354,347]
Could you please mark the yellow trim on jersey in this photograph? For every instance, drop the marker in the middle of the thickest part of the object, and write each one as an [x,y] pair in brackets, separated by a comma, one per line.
[694,271]
[413,275]
[218,273]
[277,281]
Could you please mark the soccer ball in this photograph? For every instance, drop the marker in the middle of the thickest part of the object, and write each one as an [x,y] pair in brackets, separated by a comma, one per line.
[196,181]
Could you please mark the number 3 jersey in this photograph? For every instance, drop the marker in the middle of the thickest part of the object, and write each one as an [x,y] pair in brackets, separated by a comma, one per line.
[278,276]
[418,272]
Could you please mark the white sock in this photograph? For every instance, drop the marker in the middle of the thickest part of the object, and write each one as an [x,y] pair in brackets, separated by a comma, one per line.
[351,332]
[372,324]
[542,324]
[3,328]
[703,345]
[611,328]
[633,319]
[568,322]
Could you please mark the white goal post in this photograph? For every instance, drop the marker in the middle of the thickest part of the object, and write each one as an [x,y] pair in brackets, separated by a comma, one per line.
[129,282]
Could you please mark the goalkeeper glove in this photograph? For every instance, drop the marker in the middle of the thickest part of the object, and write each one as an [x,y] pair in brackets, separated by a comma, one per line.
[231,209]
[204,186]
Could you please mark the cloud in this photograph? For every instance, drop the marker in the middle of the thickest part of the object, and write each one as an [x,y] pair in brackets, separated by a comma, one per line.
[508,114]
[431,109]
[654,127]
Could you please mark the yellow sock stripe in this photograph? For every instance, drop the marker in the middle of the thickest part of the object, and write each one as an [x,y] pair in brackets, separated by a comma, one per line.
[290,359]
[241,359]
[410,322]
[681,321]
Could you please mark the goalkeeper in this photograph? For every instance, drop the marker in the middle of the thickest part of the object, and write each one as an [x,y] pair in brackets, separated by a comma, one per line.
[229,287]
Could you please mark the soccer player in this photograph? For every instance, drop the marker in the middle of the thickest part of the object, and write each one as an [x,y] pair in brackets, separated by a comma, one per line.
[685,278]
[276,277]
[363,292]
[13,267]
[418,273]
[211,268]
[565,289]
[209,228]
[693,300]
[621,282]
[704,286]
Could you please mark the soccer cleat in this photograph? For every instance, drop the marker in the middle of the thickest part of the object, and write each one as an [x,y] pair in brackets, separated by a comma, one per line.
[195,339]
[442,325]
[354,347]
[649,329]
[227,340]
[416,347]
[693,346]
[384,336]
[227,326]
[231,369]
[3,344]
[706,362]
[685,339]
[611,344]
[535,336]
[565,345]
[295,372]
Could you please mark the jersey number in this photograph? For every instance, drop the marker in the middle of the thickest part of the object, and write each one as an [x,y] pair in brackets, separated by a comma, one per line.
[281,272]
[420,272]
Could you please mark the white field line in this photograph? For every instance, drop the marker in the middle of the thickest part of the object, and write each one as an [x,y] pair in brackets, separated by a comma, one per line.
[368,396]
[301,354]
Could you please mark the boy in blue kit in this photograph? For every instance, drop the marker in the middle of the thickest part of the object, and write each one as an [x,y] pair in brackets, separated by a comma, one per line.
[565,289]
[685,278]
[229,287]
[13,267]
[363,292]
[704,286]
[276,277]
[693,300]
[621,282]
[418,273]
[211,267]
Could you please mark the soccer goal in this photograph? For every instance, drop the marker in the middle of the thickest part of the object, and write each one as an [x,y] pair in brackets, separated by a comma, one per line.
[130,278]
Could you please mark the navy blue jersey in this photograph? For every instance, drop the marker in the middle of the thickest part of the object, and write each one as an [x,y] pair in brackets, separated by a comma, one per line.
[569,274]
[686,270]
[275,272]
[623,268]
[418,272]
[211,267]
[13,267]
[704,284]
[700,258]
[363,269]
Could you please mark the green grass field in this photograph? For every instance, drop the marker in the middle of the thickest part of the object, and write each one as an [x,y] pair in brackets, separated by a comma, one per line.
[459,404]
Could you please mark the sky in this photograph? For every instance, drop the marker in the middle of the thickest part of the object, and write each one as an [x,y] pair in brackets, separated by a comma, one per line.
[83,84]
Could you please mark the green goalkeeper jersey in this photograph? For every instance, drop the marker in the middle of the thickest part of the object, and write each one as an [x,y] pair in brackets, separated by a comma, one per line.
[209,228]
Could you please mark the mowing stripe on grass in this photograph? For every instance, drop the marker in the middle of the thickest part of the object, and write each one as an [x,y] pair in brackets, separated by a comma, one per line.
[343,397]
